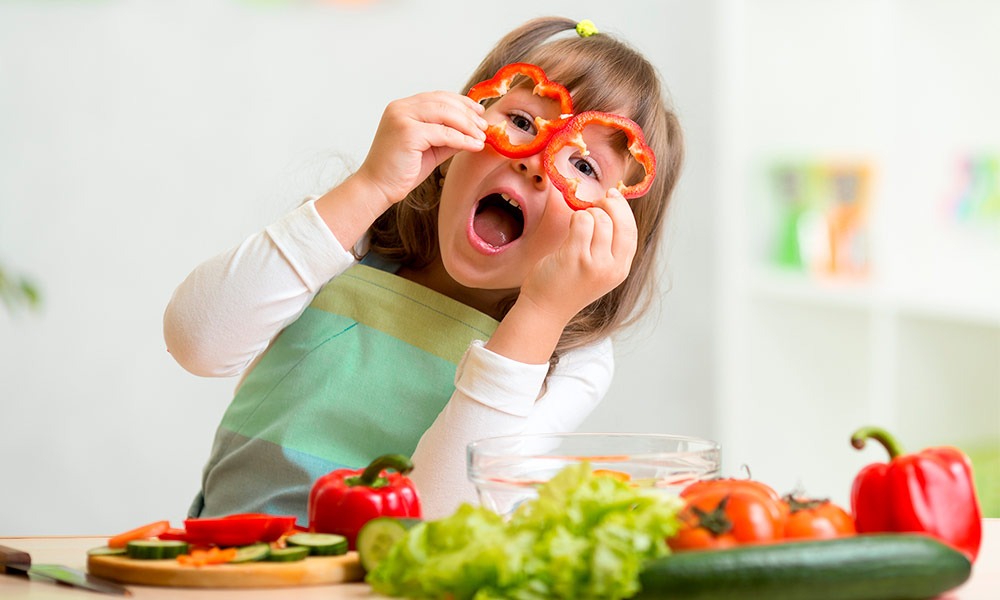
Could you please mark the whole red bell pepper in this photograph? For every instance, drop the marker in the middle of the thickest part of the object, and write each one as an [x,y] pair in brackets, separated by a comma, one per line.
[342,501]
[930,492]
[572,135]
[499,85]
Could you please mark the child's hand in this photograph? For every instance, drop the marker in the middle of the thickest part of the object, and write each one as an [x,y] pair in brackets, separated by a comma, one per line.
[418,133]
[594,259]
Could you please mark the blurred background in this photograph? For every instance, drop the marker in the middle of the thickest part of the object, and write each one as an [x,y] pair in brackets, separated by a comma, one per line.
[833,256]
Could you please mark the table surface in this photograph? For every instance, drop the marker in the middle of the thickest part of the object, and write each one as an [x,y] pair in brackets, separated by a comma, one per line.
[71,551]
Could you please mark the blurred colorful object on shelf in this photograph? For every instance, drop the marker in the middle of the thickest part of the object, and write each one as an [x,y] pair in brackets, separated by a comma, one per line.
[822,215]
[978,190]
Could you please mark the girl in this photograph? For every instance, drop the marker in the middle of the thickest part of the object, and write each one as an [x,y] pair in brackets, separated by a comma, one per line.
[482,304]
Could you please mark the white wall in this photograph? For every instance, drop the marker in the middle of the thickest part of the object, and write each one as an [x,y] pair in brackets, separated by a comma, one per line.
[139,138]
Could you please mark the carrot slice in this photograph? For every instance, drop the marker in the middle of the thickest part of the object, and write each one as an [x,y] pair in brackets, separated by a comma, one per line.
[149,530]
[212,556]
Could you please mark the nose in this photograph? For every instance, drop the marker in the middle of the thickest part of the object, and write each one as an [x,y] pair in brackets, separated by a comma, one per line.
[531,167]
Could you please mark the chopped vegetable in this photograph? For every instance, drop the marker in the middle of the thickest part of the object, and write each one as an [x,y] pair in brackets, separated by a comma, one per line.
[156,549]
[343,500]
[320,544]
[150,530]
[377,537]
[931,492]
[572,135]
[252,553]
[237,530]
[204,558]
[583,537]
[290,554]
[500,84]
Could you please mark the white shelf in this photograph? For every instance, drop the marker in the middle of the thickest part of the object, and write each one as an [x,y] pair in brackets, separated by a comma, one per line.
[914,346]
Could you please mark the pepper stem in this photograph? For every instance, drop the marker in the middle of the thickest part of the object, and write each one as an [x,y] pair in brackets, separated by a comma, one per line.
[398,462]
[881,436]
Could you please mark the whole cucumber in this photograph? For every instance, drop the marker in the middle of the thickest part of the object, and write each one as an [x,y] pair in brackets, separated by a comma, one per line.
[860,567]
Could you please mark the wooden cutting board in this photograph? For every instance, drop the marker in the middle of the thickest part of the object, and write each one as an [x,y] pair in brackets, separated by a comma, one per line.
[314,570]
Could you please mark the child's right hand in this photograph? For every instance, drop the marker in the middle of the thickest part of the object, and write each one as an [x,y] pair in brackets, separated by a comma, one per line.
[417,134]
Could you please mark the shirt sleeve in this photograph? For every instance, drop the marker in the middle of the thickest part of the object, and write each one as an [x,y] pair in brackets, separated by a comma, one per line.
[497,396]
[223,316]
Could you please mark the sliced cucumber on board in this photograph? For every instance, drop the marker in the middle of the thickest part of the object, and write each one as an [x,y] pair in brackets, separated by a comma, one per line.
[377,536]
[156,549]
[251,553]
[861,567]
[106,551]
[288,554]
[319,544]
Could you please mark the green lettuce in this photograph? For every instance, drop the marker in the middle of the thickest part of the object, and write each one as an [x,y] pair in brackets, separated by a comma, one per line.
[585,536]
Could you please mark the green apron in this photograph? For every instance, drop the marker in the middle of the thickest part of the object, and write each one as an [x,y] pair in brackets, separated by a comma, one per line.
[364,371]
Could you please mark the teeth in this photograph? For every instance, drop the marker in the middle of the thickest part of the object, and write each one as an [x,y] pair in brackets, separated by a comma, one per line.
[510,201]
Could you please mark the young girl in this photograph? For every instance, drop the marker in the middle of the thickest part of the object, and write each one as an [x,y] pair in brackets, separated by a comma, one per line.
[482,304]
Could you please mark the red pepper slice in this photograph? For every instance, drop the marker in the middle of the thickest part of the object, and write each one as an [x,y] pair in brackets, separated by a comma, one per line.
[930,492]
[342,501]
[572,135]
[499,85]
[237,530]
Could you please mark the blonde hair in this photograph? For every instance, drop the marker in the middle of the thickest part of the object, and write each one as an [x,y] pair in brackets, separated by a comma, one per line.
[604,74]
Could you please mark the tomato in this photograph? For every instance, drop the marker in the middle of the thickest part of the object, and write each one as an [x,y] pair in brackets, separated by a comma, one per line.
[723,513]
[704,484]
[238,530]
[816,519]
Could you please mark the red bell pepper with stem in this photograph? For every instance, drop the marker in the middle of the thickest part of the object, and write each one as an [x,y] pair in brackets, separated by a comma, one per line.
[343,500]
[930,492]
[500,84]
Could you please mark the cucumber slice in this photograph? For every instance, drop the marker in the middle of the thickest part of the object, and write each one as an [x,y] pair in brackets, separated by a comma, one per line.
[251,553]
[319,544]
[288,554]
[377,537]
[156,549]
[105,551]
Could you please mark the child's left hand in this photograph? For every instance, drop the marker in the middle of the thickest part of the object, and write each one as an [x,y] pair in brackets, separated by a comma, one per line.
[593,260]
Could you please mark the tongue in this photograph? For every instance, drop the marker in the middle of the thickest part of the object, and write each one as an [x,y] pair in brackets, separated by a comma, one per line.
[494,226]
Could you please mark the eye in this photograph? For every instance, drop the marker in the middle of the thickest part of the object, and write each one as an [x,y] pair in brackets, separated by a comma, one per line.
[586,166]
[522,121]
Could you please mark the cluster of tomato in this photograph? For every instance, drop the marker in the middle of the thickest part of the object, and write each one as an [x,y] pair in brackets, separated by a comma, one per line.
[721,513]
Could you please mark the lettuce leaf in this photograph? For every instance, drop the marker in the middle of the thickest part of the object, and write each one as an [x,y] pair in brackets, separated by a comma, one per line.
[585,536]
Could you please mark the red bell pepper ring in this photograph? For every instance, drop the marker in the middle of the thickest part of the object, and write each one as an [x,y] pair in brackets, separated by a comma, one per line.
[342,501]
[572,135]
[500,84]
[237,530]
[929,492]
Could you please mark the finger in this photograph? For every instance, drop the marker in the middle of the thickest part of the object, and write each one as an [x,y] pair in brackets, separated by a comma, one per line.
[626,233]
[452,110]
[581,233]
[603,236]
[437,135]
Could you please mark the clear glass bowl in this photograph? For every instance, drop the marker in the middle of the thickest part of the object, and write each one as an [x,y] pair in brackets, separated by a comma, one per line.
[507,470]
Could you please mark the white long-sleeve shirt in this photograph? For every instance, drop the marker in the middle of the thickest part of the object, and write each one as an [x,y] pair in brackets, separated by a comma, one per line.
[225,314]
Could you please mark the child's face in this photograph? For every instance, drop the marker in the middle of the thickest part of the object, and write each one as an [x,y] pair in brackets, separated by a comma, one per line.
[499,216]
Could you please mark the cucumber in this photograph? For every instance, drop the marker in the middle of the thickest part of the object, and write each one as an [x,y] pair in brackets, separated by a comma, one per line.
[251,553]
[859,567]
[105,551]
[377,536]
[156,549]
[319,544]
[289,554]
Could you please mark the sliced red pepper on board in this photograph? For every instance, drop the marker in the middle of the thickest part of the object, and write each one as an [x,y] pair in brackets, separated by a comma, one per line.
[342,501]
[500,84]
[572,135]
[238,530]
[929,492]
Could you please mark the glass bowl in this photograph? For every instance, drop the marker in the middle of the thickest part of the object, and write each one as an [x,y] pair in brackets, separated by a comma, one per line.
[507,470]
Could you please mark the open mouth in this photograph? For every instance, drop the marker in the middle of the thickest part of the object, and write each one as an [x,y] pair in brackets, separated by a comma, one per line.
[498,220]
